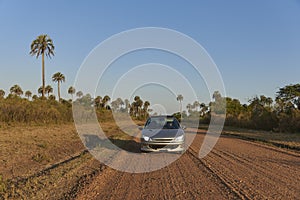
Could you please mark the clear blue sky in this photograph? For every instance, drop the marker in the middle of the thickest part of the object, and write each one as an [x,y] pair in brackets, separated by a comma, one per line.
[255,44]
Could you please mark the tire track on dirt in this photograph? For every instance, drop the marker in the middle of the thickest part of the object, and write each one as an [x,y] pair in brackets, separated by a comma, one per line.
[242,194]
[263,173]
[261,169]
[253,169]
[183,179]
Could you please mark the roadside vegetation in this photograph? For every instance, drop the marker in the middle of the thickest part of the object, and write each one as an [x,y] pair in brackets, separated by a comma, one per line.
[261,112]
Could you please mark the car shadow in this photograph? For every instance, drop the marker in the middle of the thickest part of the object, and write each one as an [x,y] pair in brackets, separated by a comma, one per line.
[93,141]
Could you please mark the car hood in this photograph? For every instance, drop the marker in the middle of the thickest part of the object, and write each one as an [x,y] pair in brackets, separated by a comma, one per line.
[162,133]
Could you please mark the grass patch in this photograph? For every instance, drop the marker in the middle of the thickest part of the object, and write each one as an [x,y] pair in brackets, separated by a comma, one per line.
[40,158]
[42,145]
[2,186]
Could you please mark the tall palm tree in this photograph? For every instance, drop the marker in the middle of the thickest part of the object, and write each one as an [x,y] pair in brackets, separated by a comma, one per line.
[180,99]
[2,93]
[42,45]
[71,91]
[58,77]
[28,94]
[16,90]
[48,90]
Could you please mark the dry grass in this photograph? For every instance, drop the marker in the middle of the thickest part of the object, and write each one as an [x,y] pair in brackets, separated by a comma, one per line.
[25,150]
[284,140]
[28,149]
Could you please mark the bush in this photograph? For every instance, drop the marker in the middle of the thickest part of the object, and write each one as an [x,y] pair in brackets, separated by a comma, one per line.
[18,110]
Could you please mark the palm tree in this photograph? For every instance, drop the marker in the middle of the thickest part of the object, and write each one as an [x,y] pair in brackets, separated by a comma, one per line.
[203,109]
[48,90]
[146,106]
[120,102]
[51,97]
[16,90]
[217,96]
[105,99]
[28,94]
[40,90]
[42,45]
[196,105]
[127,104]
[58,77]
[79,94]
[114,105]
[71,91]
[180,99]
[97,101]
[132,110]
[138,105]
[2,93]
[35,97]
[189,107]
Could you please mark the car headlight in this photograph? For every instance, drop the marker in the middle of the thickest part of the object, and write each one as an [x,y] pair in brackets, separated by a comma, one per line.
[146,138]
[179,138]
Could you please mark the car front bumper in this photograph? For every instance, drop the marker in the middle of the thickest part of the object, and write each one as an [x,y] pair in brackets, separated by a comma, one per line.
[161,146]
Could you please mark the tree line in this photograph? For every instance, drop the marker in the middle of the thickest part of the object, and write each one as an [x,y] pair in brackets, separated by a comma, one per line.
[25,107]
[281,114]
[18,91]
[261,112]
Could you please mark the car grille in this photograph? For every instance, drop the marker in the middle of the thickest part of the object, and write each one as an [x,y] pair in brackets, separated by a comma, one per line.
[155,146]
[164,140]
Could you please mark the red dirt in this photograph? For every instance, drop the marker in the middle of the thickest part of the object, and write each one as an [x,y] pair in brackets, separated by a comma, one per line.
[235,169]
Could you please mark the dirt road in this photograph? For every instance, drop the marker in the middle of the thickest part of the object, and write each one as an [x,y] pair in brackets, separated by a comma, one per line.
[235,169]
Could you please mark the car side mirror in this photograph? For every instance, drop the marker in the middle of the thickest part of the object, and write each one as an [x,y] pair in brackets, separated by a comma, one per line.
[183,127]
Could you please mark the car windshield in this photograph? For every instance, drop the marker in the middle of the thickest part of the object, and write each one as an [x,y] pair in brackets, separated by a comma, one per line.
[162,123]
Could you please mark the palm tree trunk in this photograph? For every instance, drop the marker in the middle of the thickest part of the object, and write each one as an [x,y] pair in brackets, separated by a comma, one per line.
[180,109]
[43,74]
[58,89]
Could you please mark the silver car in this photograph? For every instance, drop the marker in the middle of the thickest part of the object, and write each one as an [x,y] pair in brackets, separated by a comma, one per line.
[162,133]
